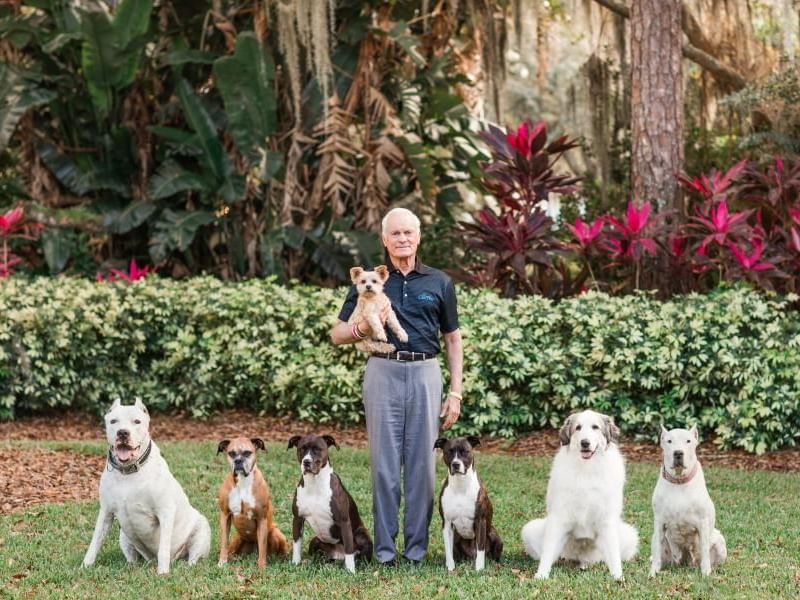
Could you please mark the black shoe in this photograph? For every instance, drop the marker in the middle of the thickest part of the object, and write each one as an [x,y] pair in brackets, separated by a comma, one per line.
[389,564]
[411,562]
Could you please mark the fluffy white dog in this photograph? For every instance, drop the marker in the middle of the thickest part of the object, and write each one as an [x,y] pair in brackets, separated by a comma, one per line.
[154,514]
[683,513]
[584,500]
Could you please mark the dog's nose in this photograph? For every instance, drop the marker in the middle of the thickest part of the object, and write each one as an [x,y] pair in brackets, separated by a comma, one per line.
[585,444]
[306,462]
[369,287]
[123,434]
[678,454]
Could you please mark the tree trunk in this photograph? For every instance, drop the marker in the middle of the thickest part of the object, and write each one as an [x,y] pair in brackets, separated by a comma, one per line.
[656,101]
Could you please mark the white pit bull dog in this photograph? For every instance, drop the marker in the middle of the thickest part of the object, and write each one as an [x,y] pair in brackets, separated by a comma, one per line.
[683,514]
[154,514]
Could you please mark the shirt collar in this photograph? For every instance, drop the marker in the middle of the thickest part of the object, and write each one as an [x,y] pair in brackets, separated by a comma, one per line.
[419,266]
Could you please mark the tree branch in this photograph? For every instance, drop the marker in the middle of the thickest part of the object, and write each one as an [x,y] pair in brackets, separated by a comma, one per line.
[698,50]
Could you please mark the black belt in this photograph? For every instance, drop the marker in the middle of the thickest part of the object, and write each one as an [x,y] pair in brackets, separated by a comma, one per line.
[404,355]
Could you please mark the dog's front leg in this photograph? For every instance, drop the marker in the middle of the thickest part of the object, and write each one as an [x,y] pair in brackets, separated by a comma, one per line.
[656,550]
[297,536]
[611,550]
[378,332]
[394,325]
[552,544]
[447,534]
[480,543]
[349,546]
[261,539]
[166,523]
[704,532]
[224,530]
[101,527]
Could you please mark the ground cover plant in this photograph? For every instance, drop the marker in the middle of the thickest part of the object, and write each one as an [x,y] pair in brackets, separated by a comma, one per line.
[42,547]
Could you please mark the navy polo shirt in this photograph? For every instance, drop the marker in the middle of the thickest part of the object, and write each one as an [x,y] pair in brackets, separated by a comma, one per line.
[425,304]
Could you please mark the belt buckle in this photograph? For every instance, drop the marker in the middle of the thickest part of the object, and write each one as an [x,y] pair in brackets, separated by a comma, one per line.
[399,352]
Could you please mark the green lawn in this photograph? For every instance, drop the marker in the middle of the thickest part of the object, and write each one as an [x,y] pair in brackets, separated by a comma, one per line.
[759,514]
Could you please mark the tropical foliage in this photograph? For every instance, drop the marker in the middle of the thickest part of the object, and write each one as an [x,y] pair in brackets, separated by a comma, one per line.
[729,360]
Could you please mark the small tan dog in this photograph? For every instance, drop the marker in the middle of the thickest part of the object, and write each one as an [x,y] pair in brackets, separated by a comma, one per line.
[245,498]
[371,302]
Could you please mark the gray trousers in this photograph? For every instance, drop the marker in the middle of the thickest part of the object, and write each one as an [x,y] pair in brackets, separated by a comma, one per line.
[402,402]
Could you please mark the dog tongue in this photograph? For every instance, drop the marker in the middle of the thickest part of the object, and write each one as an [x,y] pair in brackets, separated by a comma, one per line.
[124,453]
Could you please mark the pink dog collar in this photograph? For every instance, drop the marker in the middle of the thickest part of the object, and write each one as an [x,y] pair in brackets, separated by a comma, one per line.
[679,480]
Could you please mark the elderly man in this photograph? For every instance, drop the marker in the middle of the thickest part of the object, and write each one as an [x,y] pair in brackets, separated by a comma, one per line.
[403,389]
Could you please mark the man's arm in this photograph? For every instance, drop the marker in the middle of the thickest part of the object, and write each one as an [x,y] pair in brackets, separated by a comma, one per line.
[342,331]
[451,409]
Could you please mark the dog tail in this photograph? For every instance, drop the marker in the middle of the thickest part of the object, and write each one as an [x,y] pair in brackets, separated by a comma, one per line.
[276,541]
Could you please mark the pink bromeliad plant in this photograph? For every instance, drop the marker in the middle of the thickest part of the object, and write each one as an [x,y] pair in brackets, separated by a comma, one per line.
[12,226]
[134,273]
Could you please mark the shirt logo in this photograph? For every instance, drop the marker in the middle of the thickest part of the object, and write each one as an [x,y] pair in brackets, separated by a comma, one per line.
[426,297]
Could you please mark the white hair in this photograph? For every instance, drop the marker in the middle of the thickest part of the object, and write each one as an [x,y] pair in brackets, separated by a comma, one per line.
[400,211]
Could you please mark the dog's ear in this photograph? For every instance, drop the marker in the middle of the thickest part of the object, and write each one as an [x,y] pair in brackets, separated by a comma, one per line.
[330,441]
[293,441]
[140,405]
[258,443]
[383,272]
[474,440]
[355,273]
[566,431]
[439,443]
[114,405]
[223,446]
[695,433]
[610,430]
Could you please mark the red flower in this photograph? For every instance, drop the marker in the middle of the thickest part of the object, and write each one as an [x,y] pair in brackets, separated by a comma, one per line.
[134,273]
[9,220]
[584,233]
[522,139]
[750,261]
[627,239]
[720,223]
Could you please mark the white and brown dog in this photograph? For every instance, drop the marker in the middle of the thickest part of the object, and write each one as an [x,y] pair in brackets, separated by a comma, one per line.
[322,500]
[684,516]
[155,518]
[584,500]
[465,507]
[371,302]
[245,499]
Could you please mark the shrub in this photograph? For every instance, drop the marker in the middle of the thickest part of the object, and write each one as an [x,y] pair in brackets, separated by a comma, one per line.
[729,360]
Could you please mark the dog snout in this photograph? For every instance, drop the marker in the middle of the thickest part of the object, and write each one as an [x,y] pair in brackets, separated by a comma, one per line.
[307,462]
[678,454]
[585,444]
[123,434]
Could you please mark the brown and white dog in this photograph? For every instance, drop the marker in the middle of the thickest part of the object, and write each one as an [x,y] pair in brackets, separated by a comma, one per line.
[244,498]
[465,507]
[322,500]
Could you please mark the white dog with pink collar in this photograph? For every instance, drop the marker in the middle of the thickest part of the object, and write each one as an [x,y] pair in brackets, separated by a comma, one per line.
[684,517]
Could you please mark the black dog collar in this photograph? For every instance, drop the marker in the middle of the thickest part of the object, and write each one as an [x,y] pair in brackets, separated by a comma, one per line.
[133,467]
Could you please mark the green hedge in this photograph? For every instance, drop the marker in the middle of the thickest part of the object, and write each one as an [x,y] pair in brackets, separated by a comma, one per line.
[729,360]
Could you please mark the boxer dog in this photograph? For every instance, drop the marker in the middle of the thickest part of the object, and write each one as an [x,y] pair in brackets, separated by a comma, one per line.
[683,514]
[322,500]
[155,518]
[465,507]
[244,497]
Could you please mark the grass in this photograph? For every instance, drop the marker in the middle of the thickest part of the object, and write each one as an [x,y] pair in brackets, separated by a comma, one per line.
[758,512]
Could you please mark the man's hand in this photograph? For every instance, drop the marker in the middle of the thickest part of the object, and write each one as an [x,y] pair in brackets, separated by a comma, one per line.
[451,409]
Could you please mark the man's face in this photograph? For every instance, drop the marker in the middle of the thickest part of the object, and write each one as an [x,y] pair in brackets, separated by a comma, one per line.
[401,237]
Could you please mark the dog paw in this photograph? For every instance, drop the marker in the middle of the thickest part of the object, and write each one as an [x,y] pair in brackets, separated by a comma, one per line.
[381,337]
[540,575]
[222,563]
[86,564]
[451,566]
[402,336]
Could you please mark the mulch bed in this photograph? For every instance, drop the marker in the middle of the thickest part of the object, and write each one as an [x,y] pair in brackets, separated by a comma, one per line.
[30,476]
